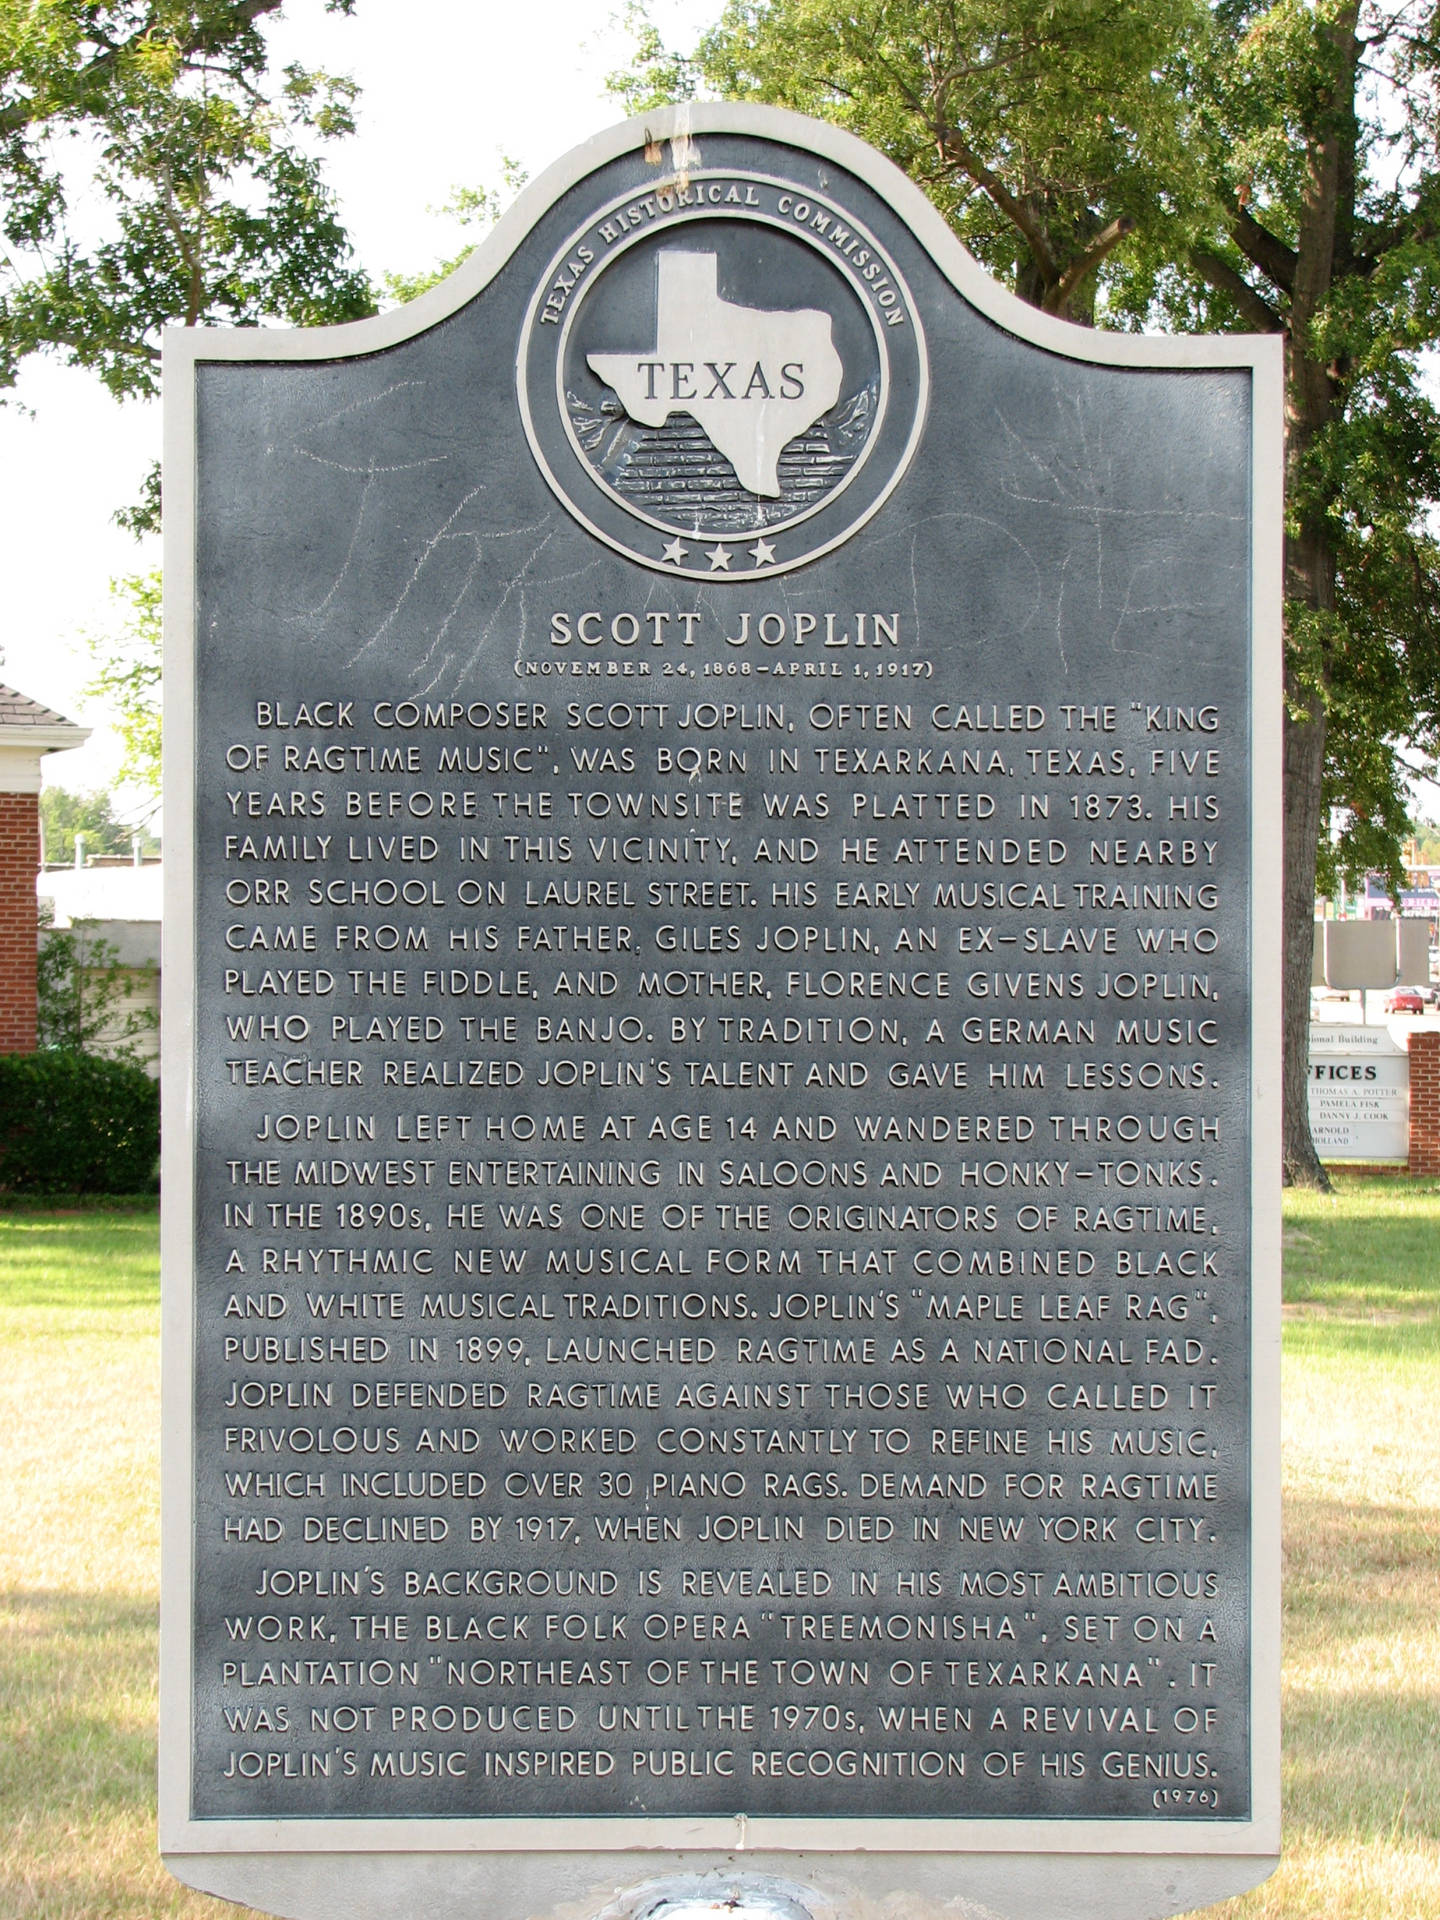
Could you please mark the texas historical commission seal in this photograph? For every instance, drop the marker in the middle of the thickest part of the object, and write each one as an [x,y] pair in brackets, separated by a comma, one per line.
[724,376]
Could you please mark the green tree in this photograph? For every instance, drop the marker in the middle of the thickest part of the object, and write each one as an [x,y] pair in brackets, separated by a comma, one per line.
[212,208]
[83,997]
[473,207]
[127,661]
[1281,174]
[64,814]
[1046,131]
[153,172]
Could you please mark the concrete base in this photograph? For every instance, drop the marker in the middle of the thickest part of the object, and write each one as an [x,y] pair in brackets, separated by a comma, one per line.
[628,1886]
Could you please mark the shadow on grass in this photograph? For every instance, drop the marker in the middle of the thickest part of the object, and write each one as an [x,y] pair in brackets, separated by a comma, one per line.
[1369,1246]
[77,1763]
[1362,1684]
[77,1702]
[1402,1341]
[80,1261]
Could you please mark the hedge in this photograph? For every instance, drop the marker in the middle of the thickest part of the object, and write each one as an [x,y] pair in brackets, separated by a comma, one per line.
[76,1123]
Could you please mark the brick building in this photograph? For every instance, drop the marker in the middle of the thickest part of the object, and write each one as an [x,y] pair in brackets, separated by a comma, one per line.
[1425,1103]
[28,731]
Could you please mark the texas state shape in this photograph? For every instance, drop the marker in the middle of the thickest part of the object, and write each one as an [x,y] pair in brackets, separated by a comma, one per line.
[754,379]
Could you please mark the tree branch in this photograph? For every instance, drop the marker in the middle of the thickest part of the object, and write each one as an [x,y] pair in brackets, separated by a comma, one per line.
[1263,249]
[1376,242]
[1105,242]
[1261,316]
[88,346]
[21,114]
[245,15]
[1014,210]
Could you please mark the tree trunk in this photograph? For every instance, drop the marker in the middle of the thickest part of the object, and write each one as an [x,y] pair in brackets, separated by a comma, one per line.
[1309,583]
[1304,769]
[1312,398]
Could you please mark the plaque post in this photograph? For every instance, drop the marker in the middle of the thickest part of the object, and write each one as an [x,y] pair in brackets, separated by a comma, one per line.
[721,1183]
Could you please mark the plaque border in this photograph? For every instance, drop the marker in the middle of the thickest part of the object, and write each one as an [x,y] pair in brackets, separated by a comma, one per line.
[581,511]
[1050,1860]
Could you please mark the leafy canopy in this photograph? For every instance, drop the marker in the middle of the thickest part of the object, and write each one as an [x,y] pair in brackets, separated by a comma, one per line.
[64,814]
[477,207]
[153,171]
[1319,129]
[127,675]
[1046,131]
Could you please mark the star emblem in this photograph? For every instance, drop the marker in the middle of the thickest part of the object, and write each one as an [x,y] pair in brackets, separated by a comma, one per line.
[762,553]
[675,551]
[719,558]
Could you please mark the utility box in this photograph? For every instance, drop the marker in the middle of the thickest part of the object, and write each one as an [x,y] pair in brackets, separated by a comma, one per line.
[1371,953]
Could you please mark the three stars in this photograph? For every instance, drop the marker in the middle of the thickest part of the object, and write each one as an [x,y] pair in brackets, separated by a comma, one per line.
[719,556]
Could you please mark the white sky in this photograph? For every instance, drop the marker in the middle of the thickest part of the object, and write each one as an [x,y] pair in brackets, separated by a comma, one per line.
[447,87]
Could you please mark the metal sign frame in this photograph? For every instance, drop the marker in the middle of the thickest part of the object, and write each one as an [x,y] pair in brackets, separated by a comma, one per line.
[513,1866]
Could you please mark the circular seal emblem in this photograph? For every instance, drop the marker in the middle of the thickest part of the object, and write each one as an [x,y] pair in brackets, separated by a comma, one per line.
[723,377]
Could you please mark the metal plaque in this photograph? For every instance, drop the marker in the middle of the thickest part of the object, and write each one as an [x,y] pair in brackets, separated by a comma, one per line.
[721,1070]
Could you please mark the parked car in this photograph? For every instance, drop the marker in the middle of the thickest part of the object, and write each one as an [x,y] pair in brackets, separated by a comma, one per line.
[1405,1000]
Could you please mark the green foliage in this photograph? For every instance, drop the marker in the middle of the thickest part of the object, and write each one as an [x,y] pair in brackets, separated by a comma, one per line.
[1039,127]
[469,207]
[81,993]
[657,76]
[127,674]
[1322,143]
[64,814]
[1244,165]
[72,1123]
[154,171]
[143,515]
[1048,132]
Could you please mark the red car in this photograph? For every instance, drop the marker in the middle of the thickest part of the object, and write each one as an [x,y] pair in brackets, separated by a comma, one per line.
[1405,1000]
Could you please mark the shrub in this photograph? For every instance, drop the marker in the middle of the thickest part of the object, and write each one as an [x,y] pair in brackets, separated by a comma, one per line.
[75,1123]
[81,991]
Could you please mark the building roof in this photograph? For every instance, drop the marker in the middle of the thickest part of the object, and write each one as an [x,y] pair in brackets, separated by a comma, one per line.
[19,710]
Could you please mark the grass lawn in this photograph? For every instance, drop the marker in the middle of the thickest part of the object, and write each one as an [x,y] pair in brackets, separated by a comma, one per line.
[79,1377]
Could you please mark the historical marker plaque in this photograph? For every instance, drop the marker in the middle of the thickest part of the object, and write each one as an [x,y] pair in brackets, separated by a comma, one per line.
[721,1214]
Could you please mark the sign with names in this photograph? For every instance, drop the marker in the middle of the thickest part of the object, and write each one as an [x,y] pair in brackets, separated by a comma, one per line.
[1359,1093]
[721,1203]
